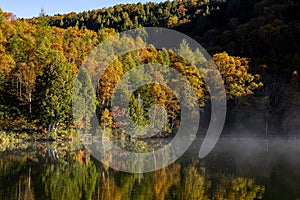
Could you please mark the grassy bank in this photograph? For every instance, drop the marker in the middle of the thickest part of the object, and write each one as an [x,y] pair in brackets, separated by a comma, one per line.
[10,138]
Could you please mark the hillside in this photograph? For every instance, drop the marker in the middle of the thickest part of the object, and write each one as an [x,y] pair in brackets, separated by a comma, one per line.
[264,34]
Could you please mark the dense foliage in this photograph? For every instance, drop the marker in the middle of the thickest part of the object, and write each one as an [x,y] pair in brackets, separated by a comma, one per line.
[40,59]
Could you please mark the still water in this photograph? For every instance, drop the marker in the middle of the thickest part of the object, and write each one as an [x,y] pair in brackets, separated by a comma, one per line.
[237,168]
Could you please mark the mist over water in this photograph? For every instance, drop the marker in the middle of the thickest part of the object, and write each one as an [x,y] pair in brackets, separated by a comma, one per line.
[273,162]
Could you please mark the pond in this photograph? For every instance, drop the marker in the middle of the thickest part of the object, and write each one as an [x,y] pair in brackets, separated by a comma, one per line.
[237,168]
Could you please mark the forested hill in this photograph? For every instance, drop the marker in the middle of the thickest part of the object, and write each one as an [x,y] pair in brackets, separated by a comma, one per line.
[265,30]
[261,39]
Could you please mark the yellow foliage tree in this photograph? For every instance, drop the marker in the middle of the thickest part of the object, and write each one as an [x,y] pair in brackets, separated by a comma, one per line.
[237,80]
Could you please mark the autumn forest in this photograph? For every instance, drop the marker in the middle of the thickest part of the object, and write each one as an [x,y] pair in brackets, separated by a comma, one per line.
[254,44]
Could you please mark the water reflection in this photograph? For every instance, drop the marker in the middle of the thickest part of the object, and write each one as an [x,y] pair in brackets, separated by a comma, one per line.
[236,169]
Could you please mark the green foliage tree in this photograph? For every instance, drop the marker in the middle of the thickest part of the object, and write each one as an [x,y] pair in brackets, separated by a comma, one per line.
[43,37]
[106,122]
[84,100]
[53,94]
[1,16]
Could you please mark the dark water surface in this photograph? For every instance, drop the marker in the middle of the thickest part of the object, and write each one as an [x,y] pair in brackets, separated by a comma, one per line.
[237,168]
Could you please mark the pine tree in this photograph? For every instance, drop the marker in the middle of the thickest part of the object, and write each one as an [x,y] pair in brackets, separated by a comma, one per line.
[53,94]
[84,99]
[185,52]
[136,113]
[43,37]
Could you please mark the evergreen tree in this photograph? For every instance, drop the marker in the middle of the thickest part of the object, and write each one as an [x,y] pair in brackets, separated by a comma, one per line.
[136,113]
[185,52]
[43,37]
[53,94]
[84,99]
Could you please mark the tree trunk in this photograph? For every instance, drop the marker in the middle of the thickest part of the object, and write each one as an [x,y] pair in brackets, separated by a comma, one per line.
[49,129]
[266,125]
[30,100]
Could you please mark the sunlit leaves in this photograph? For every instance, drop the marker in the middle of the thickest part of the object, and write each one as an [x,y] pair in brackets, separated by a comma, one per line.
[237,80]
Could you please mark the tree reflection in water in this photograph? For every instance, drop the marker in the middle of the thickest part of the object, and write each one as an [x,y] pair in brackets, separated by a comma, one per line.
[234,170]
